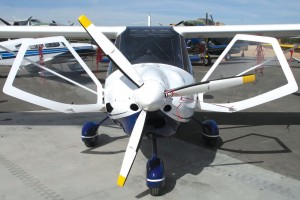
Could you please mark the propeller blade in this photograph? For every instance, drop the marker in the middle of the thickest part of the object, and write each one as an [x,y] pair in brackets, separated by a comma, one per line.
[179,23]
[27,21]
[5,22]
[112,52]
[132,148]
[210,86]
[212,19]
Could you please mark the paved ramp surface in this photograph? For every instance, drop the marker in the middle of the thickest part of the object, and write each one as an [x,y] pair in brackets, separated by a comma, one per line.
[258,156]
[50,162]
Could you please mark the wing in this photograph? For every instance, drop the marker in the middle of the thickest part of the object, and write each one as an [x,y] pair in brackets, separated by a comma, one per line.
[286,30]
[48,31]
[52,84]
[261,56]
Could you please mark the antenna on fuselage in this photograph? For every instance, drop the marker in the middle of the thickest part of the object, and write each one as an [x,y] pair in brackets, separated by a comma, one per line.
[149,19]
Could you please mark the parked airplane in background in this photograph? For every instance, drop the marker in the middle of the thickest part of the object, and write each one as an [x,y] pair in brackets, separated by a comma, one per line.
[32,22]
[199,22]
[46,53]
[203,49]
[150,88]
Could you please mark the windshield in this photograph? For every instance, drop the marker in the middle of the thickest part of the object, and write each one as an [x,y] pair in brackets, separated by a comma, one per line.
[153,45]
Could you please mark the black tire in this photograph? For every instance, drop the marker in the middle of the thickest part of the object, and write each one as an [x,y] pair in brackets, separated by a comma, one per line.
[210,133]
[91,144]
[210,141]
[155,191]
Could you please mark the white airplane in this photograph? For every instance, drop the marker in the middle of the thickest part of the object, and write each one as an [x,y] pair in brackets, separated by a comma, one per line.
[45,52]
[150,88]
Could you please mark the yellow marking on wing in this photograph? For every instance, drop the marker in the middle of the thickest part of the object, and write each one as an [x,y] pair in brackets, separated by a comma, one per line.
[85,22]
[248,79]
[121,181]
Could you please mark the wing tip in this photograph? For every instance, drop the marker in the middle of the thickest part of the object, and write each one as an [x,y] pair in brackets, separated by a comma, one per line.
[121,181]
[84,21]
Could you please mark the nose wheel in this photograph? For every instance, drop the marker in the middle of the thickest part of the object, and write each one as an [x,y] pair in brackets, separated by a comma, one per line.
[155,171]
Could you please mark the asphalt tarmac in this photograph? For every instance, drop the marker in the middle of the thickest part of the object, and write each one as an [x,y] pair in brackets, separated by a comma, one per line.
[258,156]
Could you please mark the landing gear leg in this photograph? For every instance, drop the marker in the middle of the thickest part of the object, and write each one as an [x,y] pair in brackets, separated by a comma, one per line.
[155,171]
[89,132]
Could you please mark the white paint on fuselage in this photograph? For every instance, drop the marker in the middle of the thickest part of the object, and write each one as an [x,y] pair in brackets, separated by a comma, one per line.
[120,92]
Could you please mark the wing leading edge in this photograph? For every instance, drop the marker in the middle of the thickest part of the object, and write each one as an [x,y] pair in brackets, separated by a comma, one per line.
[49,31]
[283,30]
[280,30]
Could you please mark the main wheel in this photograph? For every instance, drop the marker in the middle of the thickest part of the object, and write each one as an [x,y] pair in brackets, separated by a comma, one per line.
[212,142]
[210,133]
[89,134]
[90,144]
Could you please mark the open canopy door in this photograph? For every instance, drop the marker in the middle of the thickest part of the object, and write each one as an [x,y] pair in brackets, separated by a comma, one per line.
[48,72]
[247,54]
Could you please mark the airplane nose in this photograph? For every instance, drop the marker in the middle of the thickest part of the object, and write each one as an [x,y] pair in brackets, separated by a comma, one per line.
[151,95]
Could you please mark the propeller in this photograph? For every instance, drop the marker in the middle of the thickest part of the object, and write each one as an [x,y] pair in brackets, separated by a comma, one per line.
[157,90]
[112,52]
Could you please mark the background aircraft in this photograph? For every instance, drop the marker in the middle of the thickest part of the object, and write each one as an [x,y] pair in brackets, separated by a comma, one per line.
[203,49]
[46,53]
[32,22]
[199,22]
[150,89]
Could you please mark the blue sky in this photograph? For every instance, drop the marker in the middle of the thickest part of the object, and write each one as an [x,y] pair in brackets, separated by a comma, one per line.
[134,12]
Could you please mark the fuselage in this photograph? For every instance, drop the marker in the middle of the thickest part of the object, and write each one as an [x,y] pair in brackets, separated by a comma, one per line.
[49,51]
[160,56]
